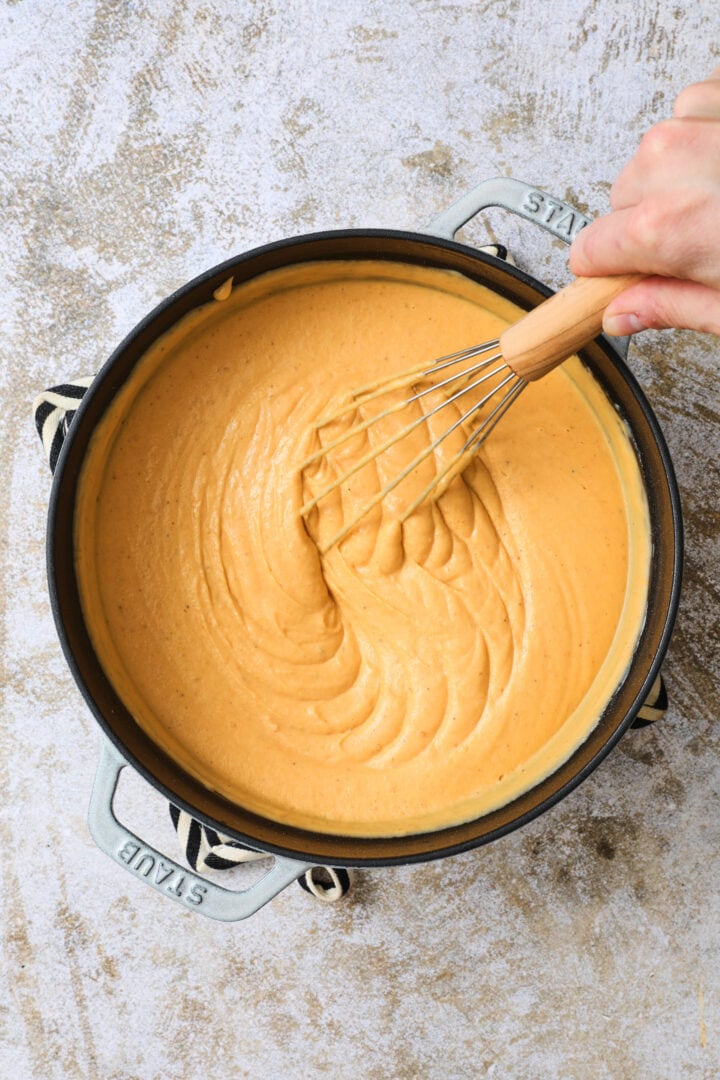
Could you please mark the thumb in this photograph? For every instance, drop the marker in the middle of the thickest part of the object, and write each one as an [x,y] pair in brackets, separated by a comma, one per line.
[658,303]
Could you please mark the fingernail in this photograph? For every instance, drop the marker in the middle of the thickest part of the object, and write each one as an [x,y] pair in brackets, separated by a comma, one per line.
[622,325]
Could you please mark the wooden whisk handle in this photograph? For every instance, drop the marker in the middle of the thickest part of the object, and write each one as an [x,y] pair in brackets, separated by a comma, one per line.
[560,326]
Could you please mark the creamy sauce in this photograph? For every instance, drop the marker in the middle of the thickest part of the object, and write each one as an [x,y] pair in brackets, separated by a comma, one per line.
[414,676]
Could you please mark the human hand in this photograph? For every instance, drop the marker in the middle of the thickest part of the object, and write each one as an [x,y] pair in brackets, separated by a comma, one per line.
[665,223]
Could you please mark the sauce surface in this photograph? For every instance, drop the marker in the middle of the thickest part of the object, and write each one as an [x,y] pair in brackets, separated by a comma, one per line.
[414,676]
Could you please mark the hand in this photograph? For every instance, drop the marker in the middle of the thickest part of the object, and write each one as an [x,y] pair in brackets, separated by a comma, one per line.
[665,222]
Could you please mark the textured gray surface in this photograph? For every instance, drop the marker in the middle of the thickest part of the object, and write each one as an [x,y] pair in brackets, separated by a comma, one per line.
[142,142]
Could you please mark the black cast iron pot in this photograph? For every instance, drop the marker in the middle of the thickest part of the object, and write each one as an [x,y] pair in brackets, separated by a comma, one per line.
[296,850]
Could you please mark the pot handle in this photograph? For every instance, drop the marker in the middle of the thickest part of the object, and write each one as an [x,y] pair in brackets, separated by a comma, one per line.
[163,873]
[554,215]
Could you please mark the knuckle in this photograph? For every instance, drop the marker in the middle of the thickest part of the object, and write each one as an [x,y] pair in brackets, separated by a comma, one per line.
[621,193]
[687,100]
[657,229]
[585,245]
[655,314]
[698,99]
[645,226]
[660,138]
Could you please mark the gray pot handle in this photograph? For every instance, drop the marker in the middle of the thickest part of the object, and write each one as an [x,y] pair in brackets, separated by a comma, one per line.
[555,216]
[163,873]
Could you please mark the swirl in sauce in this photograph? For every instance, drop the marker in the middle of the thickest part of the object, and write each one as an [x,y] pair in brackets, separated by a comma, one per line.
[415,676]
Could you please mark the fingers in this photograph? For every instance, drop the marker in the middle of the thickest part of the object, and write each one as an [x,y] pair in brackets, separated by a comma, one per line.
[700,100]
[672,233]
[672,140]
[660,161]
[665,222]
[672,154]
[628,187]
[649,238]
[660,303]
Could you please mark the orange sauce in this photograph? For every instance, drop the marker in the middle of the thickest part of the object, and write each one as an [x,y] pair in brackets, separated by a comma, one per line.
[414,676]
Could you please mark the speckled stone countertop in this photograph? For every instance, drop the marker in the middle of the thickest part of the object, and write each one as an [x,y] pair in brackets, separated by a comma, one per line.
[141,143]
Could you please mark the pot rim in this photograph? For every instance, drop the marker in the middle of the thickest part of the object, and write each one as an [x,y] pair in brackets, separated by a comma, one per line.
[213,277]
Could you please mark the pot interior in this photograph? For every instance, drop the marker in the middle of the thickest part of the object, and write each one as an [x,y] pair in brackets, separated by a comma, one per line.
[181,788]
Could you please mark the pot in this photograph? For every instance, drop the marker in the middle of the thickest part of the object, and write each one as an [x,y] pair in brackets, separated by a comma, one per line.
[296,850]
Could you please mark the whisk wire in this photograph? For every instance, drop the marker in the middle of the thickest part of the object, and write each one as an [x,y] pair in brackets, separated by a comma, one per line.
[510,386]
[497,413]
[403,433]
[453,468]
[380,388]
[425,453]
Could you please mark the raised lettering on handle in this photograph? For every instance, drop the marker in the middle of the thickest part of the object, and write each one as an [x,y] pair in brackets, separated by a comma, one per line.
[160,871]
[553,215]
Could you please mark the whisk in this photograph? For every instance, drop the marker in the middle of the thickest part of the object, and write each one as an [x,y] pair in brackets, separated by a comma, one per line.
[499,370]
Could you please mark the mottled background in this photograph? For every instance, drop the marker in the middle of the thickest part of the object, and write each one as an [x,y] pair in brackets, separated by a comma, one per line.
[143,141]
